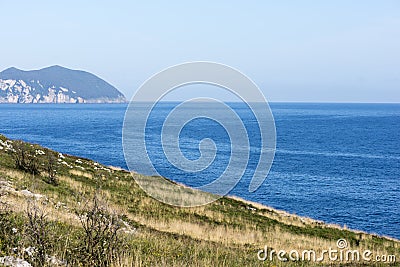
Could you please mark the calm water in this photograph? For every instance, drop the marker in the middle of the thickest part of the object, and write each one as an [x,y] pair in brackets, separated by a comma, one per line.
[334,162]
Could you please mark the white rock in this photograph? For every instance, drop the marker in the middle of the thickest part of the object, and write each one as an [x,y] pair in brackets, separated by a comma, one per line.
[54,261]
[6,186]
[14,262]
[39,152]
[127,229]
[28,193]
[30,251]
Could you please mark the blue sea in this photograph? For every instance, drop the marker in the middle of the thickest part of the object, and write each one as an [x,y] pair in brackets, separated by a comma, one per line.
[339,163]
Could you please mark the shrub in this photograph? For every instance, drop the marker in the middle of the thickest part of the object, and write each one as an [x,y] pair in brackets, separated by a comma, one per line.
[11,230]
[100,243]
[51,169]
[24,156]
[38,233]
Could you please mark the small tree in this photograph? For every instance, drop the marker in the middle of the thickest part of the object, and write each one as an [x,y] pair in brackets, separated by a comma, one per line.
[51,168]
[25,157]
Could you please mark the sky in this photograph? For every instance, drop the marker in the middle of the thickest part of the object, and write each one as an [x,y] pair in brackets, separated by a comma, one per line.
[312,51]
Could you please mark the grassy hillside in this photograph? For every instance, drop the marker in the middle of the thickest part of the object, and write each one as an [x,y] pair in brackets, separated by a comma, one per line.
[48,201]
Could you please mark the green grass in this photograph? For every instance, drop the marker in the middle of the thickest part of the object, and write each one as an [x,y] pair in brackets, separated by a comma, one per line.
[227,232]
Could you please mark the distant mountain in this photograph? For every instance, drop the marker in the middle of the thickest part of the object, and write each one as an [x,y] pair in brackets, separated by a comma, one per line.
[55,84]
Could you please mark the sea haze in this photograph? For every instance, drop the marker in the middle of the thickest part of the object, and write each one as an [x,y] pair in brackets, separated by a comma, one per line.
[339,163]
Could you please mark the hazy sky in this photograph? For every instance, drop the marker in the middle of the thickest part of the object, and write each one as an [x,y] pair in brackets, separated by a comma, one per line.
[294,50]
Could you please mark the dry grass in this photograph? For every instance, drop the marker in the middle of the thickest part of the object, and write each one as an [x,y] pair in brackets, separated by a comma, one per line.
[81,173]
[227,232]
[19,203]
[285,217]
[173,193]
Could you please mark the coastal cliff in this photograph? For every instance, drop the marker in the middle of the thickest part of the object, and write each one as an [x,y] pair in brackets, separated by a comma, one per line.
[56,84]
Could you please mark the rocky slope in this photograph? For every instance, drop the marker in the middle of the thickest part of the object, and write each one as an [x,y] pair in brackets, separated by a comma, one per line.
[227,232]
[55,84]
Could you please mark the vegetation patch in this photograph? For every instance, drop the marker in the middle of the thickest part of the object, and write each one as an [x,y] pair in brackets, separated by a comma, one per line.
[61,210]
